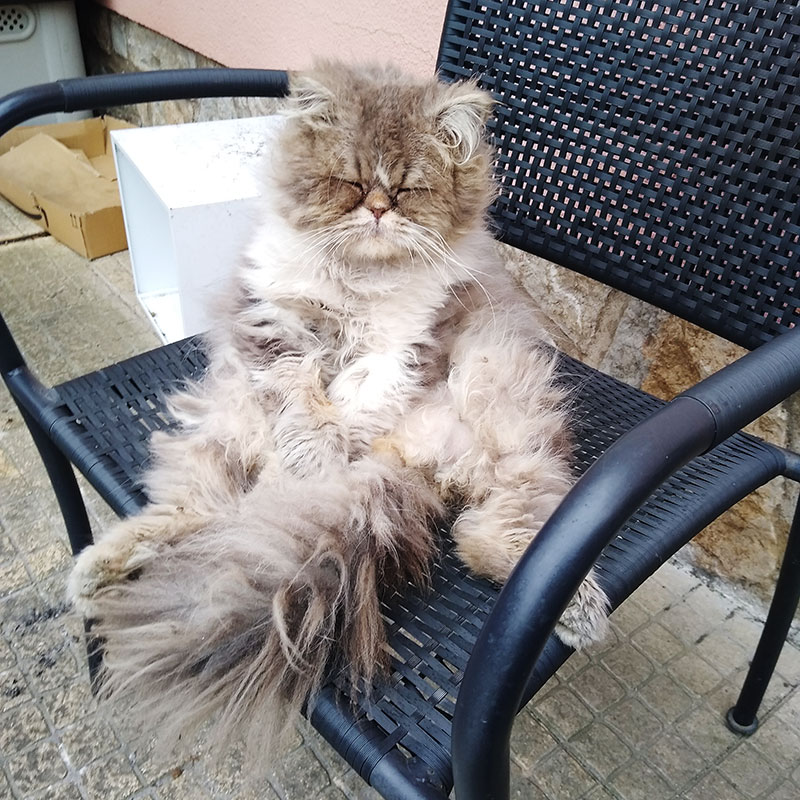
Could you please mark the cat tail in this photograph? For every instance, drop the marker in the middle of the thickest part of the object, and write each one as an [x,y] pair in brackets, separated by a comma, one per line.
[241,622]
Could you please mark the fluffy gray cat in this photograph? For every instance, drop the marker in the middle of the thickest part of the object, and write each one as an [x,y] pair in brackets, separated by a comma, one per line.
[374,364]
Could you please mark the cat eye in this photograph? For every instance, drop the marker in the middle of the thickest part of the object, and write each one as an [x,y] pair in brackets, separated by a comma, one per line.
[354,184]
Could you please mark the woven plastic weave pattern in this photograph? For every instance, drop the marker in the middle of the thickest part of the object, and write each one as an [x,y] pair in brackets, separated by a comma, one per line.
[653,146]
[433,635]
[110,414]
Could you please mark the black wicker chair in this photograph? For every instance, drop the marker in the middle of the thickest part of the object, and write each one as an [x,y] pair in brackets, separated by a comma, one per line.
[654,148]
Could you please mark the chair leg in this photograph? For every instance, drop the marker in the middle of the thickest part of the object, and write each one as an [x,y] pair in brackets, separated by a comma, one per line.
[742,718]
[65,486]
[76,520]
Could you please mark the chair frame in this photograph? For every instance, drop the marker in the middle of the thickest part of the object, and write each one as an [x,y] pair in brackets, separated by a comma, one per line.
[496,681]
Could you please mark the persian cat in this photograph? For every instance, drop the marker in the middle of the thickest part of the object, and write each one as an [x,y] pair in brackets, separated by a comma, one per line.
[374,364]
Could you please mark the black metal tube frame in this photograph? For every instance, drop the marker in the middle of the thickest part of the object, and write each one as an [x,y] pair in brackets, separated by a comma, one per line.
[562,553]
[81,94]
[742,717]
[36,403]
[100,91]
[84,94]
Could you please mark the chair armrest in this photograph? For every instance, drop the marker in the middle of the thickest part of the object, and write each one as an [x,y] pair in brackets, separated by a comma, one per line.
[565,549]
[83,94]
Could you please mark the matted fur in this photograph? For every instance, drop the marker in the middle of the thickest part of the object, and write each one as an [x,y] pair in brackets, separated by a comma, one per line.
[372,363]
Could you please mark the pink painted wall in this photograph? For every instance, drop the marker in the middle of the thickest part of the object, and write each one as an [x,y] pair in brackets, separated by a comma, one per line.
[288,34]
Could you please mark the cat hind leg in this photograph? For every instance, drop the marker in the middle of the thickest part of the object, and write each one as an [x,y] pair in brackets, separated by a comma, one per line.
[491,537]
[194,475]
[127,547]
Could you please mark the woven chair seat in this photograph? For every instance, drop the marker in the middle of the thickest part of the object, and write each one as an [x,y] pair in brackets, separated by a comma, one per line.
[105,420]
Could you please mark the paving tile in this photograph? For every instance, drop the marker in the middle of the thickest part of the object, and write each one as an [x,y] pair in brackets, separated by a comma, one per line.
[630,616]
[65,790]
[658,643]
[523,788]
[578,661]
[69,702]
[677,761]
[634,722]
[50,660]
[688,620]
[351,785]
[599,749]
[223,774]
[677,578]
[36,768]
[331,793]
[786,790]
[43,562]
[723,651]
[560,775]
[90,738]
[628,665]
[654,596]
[108,777]
[13,576]
[667,698]
[694,673]
[611,641]
[5,786]
[16,225]
[189,785]
[530,739]
[13,689]
[789,663]
[706,731]
[778,742]
[22,727]
[727,692]
[30,526]
[563,712]
[713,786]
[301,775]
[597,687]
[639,781]
[7,658]
[790,710]
[748,771]
[600,793]
[8,550]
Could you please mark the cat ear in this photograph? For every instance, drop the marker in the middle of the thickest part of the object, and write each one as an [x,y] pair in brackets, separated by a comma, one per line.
[461,112]
[310,100]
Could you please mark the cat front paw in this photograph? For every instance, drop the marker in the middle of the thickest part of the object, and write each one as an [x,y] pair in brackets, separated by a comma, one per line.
[101,565]
[585,620]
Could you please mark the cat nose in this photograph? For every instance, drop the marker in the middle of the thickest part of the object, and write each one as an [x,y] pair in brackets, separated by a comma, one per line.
[378,202]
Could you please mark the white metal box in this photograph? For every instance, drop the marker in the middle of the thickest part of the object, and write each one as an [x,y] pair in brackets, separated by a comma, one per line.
[39,43]
[189,197]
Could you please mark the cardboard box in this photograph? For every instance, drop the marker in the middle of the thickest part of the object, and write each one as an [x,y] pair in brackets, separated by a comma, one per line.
[63,176]
[190,200]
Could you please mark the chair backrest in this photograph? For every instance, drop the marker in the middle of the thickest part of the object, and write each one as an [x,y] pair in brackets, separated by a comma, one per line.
[651,144]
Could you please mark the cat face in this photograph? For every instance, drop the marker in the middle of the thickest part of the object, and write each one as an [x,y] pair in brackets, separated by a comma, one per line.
[377,167]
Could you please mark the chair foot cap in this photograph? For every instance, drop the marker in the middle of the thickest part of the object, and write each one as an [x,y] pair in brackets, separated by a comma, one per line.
[736,727]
